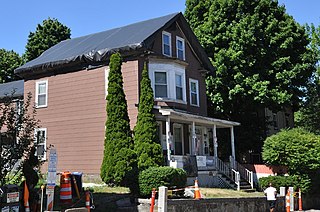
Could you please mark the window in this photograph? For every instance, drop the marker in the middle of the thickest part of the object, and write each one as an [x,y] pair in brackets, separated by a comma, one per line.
[160,85]
[168,80]
[180,48]
[194,92]
[177,136]
[166,44]
[40,142]
[41,94]
[179,87]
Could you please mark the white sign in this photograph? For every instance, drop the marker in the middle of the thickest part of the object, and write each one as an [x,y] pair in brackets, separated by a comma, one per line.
[52,168]
[12,197]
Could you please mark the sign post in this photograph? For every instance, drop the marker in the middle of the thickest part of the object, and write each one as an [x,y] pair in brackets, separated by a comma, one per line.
[51,179]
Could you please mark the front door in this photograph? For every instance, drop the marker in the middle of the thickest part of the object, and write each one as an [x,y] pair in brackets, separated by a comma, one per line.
[178,139]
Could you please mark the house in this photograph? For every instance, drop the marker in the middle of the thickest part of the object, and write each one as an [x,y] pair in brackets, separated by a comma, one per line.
[69,85]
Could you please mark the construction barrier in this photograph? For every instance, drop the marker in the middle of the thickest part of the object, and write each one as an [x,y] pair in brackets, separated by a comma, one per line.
[288,201]
[26,197]
[65,188]
[153,197]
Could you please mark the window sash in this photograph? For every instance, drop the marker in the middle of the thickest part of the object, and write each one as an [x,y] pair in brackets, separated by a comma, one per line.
[180,45]
[194,92]
[41,93]
[179,87]
[166,43]
[161,84]
[40,141]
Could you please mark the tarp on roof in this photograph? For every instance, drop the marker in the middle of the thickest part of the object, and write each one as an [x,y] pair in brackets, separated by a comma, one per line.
[97,47]
[16,88]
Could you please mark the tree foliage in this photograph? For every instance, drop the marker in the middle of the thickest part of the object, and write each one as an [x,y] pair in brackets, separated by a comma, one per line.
[17,148]
[261,57]
[47,34]
[9,61]
[119,159]
[308,116]
[296,148]
[146,142]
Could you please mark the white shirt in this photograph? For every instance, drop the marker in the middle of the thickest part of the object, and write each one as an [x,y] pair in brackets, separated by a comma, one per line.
[271,193]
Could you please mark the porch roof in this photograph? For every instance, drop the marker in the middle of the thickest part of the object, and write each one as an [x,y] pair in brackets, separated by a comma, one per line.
[174,114]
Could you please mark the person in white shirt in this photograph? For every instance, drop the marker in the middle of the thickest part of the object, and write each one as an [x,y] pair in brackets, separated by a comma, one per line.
[271,194]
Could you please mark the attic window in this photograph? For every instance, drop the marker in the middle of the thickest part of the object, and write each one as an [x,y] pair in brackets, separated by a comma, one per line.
[166,43]
[180,48]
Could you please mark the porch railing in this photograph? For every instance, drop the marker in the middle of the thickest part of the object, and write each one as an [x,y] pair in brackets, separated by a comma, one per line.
[222,167]
[244,172]
[236,178]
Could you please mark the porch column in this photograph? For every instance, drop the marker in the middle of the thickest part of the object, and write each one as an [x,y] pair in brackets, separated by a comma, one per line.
[168,139]
[233,153]
[215,141]
[194,138]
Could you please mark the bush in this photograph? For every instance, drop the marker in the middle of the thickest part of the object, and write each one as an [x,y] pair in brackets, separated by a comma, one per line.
[155,177]
[295,181]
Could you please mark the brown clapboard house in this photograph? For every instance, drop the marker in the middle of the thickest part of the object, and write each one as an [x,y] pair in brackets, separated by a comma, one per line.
[69,85]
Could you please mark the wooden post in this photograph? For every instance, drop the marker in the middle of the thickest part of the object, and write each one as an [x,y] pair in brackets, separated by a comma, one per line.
[215,141]
[194,137]
[233,152]
[168,140]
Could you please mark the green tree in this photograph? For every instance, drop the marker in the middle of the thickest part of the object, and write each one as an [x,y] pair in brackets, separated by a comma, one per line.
[146,141]
[119,159]
[261,57]
[47,34]
[308,116]
[17,147]
[297,149]
[9,61]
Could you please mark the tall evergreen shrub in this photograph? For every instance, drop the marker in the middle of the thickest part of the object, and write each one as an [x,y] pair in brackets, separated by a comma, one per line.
[118,163]
[146,142]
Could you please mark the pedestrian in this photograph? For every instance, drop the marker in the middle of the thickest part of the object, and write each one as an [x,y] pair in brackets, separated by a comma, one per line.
[271,194]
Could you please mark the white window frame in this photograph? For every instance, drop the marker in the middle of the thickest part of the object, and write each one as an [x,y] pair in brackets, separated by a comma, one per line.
[170,45]
[44,157]
[181,75]
[167,83]
[183,48]
[197,92]
[37,94]
[171,69]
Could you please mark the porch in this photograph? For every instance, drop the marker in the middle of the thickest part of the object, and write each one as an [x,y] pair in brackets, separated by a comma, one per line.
[190,142]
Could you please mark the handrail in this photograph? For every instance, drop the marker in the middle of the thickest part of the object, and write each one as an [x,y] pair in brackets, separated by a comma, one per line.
[244,172]
[222,167]
[236,178]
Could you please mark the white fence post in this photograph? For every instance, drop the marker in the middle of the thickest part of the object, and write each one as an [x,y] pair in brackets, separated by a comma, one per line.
[162,199]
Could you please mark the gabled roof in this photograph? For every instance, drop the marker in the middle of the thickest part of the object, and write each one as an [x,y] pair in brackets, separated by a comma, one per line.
[96,48]
[16,88]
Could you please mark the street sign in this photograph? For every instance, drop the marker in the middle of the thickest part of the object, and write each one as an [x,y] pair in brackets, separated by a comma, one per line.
[51,178]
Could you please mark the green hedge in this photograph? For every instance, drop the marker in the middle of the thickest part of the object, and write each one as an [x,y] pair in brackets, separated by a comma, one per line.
[295,181]
[155,177]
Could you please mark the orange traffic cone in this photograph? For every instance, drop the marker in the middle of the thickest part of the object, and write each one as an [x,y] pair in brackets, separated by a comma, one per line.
[197,194]
[88,200]
[26,197]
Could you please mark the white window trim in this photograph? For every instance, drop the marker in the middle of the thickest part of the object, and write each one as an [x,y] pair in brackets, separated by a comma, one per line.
[182,86]
[170,45]
[171,69]
[44,157]
[154,82]
[183,47]
[37,94]
[190,92]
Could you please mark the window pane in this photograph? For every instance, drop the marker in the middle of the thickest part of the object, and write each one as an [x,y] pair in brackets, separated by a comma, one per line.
[160,77]
[193,87]
[166,39]
[179,44]
[180,55]
[160,90]
[194,99]
[178,80]
[42,99]
[179,93]
[166,49]
[40,150]
[42,88]
[178,141]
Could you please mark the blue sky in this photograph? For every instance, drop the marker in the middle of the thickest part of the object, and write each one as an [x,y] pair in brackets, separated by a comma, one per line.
[19,18]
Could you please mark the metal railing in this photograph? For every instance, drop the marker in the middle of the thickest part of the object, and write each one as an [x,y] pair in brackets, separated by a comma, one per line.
[244,172]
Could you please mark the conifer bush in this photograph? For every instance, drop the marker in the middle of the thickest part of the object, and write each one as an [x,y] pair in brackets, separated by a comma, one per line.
[146,142]
[118,166]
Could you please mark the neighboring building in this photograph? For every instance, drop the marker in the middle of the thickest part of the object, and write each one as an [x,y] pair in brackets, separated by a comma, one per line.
[13,89]
[69,85]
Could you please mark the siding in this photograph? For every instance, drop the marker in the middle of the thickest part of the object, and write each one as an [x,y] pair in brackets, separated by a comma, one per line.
[75,116]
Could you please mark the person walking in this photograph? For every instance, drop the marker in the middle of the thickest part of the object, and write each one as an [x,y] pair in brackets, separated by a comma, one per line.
[271,194]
